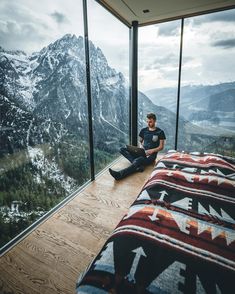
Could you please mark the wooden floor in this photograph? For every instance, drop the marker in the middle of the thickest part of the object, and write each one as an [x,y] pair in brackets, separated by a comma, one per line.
[51,258]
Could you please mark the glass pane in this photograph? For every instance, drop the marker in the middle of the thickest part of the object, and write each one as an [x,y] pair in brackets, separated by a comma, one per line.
[109,58]
[207,102]
[43,119]
[158,76]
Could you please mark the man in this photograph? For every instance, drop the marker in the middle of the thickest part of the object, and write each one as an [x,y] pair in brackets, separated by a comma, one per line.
[152,140]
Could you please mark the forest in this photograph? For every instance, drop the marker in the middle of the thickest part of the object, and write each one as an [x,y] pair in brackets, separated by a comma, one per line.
[28,191]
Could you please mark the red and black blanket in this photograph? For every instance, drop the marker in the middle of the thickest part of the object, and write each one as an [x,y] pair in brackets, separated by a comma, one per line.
[177,237]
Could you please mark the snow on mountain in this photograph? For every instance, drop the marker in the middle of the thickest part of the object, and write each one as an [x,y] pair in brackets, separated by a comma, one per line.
[52,84]
[49,169]
[43,100]
[18,80]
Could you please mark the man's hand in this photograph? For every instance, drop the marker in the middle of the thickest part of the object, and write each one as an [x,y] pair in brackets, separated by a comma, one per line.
[150,151]
[155,150]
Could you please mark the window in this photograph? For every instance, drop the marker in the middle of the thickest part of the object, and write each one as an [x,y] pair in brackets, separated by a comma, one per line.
[158,76]
[109,60]
[44,145]
[207,102]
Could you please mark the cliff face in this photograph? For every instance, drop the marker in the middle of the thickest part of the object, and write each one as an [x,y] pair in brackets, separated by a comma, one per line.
[51,85]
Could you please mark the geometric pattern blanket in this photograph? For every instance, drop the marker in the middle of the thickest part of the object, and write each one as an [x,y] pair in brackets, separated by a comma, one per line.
[177,237]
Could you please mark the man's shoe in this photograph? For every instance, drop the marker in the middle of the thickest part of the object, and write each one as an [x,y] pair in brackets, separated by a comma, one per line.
[116,175]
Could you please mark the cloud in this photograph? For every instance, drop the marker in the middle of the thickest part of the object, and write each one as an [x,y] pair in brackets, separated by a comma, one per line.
[159,62]
[21,28]
[222,16]
[59,17]
[169,28]
[171,59]
[25,35]
[225,44]
[31,25]
[187,58]
[226,16]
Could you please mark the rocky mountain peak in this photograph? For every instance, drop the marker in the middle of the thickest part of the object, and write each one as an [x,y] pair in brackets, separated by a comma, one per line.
[68,41]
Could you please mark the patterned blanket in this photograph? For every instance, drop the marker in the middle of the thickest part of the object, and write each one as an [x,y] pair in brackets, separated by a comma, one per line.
[178,236]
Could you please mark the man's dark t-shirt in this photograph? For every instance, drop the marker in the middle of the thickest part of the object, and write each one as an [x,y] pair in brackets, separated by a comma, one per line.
[152,138]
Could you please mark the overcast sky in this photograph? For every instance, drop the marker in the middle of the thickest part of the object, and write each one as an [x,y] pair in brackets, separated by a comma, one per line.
[208,52]
[30,25]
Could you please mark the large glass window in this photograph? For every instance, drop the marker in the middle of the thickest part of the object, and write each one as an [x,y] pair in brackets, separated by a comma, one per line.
[158,76]
[109,59]
[207,102]
[43,104]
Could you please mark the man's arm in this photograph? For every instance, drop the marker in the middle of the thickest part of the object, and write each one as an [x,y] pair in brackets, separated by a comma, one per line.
[154,150]
[141,140]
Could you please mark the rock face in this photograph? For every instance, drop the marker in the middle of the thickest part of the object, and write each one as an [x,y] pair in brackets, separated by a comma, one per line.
[44,151]
[20,128]
[51,84]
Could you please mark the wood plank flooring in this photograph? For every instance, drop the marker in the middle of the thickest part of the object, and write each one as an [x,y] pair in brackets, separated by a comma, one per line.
[51,258]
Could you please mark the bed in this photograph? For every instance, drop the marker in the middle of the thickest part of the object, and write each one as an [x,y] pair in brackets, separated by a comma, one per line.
[178,235]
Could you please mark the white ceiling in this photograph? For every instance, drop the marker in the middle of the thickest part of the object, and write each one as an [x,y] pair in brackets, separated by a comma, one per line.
[161,10]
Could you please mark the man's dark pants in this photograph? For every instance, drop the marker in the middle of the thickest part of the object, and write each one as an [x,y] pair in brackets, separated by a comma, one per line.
[137,161]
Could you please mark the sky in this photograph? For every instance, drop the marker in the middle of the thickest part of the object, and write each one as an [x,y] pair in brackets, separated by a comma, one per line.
[208,45]
[208,51]
[30,25]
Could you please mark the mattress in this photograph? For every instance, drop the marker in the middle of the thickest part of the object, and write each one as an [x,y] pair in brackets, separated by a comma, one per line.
[177,237]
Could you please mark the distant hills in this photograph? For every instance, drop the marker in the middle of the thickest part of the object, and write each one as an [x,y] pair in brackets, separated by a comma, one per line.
[201,105]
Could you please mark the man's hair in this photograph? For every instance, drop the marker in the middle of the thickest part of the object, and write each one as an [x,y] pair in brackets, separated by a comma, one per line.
[151,115]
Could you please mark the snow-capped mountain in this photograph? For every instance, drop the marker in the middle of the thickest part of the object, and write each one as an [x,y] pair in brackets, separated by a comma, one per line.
[52,84]
[44,151]
[44,121]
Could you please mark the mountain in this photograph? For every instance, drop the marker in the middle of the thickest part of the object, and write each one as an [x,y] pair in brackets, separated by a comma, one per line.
[189,95]
[202,105]
[51,83]
[44,151]
[223,101]
[21,129]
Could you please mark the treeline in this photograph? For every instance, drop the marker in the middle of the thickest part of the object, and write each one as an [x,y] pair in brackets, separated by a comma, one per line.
[73,158]
[34,191]
[20,185]
[8,230]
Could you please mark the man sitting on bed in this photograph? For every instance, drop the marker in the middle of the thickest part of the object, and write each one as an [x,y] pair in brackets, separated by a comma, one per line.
[152,140]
